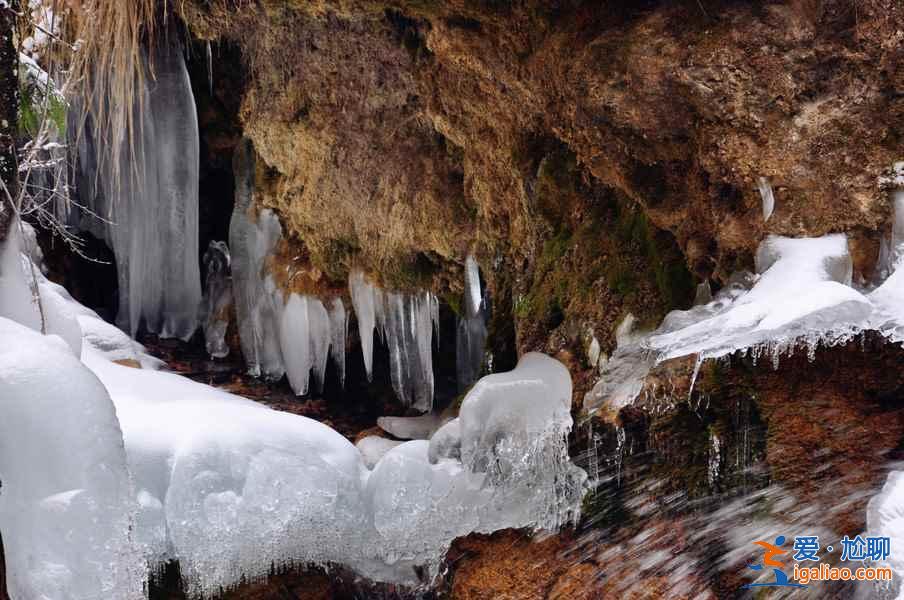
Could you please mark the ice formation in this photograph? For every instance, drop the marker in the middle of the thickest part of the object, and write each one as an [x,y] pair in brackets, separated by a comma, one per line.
[338,333]
[408,322]
[251,241]
[229,487]
[802,294]
[217,299]
[767,197]
[304,336]
[149,202]
[66,505]
[472,329]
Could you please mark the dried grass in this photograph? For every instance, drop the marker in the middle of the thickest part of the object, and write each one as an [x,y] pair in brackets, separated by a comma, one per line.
[109,68]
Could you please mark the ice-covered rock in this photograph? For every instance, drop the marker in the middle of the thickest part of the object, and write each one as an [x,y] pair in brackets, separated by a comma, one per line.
[472,330]
[174,469]
[217,301]
[412,428]
[67,503]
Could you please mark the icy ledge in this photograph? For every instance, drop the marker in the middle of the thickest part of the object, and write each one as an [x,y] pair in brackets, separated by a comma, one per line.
[106,466]
[801,295]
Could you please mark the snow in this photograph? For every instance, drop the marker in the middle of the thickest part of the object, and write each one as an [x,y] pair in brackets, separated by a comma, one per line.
[66,505]
[109,469]
[802,294]
[472,330]
[217,299]
[227,486]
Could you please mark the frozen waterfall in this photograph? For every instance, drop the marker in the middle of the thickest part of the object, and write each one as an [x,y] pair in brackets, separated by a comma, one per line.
[149,201]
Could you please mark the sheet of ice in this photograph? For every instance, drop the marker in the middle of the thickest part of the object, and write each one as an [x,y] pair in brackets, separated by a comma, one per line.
[217,302]
[373,448]
[66,505]
[471,331]
[146,207]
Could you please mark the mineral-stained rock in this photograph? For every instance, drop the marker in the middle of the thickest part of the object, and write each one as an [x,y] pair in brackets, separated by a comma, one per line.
[589,154]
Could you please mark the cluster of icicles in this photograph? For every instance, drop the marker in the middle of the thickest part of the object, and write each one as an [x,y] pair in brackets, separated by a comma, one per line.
[296,335]
[152,228]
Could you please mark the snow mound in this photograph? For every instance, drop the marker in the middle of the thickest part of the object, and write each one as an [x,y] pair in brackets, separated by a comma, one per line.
[67,503]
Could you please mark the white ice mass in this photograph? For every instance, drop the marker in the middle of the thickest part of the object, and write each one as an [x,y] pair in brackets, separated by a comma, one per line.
[92,450]
[801,294]
[146,207]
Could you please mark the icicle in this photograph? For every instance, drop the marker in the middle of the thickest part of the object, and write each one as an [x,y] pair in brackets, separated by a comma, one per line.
[363,301]
[217,299]
[472,332]
[257,307]
[319,323]
[767,196]
[714,465]
[338,333]
[472,285]
[407,323]
[177,148]
[209,69]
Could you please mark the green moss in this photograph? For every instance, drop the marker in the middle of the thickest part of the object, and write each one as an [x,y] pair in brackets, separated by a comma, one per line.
[31,110]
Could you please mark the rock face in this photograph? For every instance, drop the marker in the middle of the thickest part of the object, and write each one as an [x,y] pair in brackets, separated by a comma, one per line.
[598,159]
[590,155]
